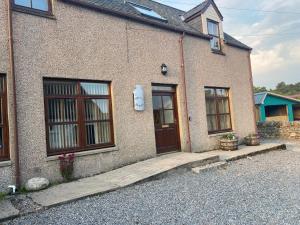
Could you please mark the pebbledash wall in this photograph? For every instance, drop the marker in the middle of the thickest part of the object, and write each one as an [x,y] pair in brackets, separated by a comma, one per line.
[83,44]
[279,130]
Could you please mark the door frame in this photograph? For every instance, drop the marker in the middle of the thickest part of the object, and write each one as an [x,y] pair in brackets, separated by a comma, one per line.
[173,92]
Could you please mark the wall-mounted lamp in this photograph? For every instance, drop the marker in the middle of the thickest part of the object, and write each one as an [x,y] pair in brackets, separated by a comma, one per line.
[164,69]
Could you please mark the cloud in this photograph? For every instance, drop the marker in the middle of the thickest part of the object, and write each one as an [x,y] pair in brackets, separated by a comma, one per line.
[273,36]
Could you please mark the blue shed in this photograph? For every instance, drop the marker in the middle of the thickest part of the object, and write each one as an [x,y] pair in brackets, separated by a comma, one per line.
[275,107]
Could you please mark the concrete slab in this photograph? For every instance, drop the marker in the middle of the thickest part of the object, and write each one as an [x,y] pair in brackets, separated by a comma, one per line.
[209,167]
[7,210]
[119,178]
[245,151]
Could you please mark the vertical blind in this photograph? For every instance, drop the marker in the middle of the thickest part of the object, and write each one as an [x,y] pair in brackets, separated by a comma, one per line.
[217,110]
[78,115]
[4,148]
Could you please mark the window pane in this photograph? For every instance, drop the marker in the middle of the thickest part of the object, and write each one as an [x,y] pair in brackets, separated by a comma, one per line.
[163,88]
[147,12]
[157,103]
[1,139]
[25,3]
[210,106]
[97,109]
[40,5]
[63,136]
[212,123]
[213,28]
[61,110]
[54,88]
[98,133]
[1,111]
[158,117]
[225,122]
[209,92]
[2,81]
[215,43]
[222,92]
[168,102]
[94,88]
[169,116]
[223,105]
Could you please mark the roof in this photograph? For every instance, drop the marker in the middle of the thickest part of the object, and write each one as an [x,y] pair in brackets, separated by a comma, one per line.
[199,9]
[259,98]
[174,22]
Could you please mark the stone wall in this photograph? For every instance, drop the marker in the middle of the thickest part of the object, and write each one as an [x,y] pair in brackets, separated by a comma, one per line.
[277,129]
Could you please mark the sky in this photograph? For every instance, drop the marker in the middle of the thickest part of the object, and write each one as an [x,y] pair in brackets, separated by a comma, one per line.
[274,36]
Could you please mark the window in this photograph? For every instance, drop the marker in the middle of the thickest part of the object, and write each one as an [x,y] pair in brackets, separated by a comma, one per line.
[147,11]
[213,30]
[4,145]
[39,5]
[78,116]
[218,110]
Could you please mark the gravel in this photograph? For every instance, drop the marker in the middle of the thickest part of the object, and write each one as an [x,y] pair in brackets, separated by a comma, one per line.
[263,189]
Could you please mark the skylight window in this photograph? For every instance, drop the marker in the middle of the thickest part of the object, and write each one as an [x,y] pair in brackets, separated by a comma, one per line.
[147,11]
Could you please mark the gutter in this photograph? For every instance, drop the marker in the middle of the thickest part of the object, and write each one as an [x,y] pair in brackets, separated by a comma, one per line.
[12,68]
[185,92]
[132,17]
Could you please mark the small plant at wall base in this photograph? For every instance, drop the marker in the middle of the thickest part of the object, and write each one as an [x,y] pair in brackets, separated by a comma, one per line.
[252,140]
[2,196]
[229,142]
[67,166]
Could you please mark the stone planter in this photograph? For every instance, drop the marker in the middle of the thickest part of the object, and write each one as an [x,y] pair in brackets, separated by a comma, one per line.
[252,140]
[229,145]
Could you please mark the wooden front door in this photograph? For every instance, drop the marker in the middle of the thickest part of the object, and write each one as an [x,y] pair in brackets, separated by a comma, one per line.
[165,119]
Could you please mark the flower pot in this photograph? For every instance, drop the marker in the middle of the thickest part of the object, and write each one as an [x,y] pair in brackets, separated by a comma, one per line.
[252,140]
[229,145]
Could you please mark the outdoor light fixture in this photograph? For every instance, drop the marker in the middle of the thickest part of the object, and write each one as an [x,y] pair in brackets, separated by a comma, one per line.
[164,69]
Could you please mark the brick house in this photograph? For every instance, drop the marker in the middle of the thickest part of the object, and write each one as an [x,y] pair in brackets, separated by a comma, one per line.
[69,69]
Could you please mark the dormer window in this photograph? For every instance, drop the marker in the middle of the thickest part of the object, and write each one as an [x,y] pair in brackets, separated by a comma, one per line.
[213,30]
[34,5]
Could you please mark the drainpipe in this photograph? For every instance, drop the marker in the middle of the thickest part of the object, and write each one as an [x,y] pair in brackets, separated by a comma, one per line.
[12,68]
[185,92]
[252,90]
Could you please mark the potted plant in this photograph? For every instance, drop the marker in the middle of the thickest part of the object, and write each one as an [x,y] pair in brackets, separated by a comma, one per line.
[67,166]
[252,140]
[229,142]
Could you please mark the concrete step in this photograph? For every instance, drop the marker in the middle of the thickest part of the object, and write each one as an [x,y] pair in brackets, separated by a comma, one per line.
[209,167]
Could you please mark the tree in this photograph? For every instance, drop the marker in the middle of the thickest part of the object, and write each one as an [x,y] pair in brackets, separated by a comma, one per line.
[260,89]
[282,88]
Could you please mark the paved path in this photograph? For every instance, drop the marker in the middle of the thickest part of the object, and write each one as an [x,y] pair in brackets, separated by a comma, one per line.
[261,190]
[137,172]
[7,210]
[132,174]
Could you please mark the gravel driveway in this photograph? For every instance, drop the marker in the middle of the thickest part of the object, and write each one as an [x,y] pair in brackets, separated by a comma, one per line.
[264,189]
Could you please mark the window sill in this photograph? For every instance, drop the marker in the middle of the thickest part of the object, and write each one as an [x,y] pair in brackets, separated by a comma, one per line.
[33,12]
[218,52]
[5,163]
[86,153]
[220,134]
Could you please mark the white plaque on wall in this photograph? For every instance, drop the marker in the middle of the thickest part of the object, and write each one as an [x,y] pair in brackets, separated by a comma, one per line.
[138,96]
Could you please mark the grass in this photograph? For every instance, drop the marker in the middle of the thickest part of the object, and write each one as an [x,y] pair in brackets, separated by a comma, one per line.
[2,196]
